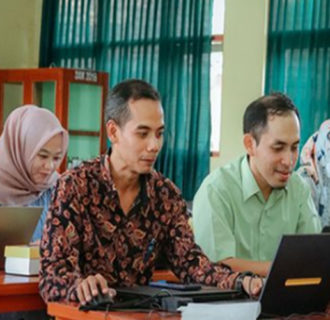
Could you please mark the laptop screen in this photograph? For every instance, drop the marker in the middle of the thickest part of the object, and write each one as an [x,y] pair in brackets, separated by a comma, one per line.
[16,226]
[299,279]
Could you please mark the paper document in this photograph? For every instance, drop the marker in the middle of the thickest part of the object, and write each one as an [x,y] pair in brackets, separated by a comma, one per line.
[233,310]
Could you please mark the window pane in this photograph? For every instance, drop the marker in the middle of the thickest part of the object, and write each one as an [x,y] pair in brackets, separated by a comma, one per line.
[82,148]
[85,107]
[218,16]
[44,95]
[216,86]
[13,98]
[216,73]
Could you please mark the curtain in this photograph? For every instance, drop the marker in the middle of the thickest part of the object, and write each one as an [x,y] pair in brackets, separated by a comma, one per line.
[165,42]
[298,58]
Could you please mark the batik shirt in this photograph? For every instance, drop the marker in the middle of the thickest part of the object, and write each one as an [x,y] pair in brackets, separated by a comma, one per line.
[87,233]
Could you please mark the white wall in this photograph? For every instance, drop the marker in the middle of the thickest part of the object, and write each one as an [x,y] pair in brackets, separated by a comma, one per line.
[244,57]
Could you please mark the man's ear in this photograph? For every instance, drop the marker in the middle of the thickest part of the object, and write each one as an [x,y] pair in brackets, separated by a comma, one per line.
[112,129]
[250,144]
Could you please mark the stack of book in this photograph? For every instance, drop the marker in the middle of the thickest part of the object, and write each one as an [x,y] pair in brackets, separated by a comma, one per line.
[22,260]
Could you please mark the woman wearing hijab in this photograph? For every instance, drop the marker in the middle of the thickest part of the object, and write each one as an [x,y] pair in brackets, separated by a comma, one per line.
[32,146]
[315,168]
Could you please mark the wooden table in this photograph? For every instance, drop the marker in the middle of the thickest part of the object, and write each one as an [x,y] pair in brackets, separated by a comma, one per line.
[164,275]
[70,312]
[18,293]
[62,311]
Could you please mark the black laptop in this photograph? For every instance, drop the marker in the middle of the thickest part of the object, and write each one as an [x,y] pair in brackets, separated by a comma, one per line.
[204,294]
[299,279]
[144,298]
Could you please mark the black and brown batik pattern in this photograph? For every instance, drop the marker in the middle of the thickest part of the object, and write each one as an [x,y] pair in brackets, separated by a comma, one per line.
[87,232]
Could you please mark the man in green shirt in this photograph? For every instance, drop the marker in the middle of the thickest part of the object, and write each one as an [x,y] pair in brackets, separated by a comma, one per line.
[241,210]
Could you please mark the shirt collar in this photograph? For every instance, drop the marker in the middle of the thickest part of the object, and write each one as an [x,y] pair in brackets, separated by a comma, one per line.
[249,183]
[145,179]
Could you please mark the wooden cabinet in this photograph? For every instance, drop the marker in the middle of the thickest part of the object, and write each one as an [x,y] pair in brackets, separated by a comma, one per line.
[77,97]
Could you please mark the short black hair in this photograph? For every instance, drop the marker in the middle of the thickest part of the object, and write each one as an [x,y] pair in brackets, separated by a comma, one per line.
[257,113]
[116,107]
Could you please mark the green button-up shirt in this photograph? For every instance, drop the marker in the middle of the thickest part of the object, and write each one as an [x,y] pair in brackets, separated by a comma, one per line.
[232,219]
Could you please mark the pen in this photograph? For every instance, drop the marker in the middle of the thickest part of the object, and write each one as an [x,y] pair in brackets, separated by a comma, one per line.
[150,248]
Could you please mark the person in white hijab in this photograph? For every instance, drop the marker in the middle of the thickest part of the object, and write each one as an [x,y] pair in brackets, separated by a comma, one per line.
[32,146]
[315,169]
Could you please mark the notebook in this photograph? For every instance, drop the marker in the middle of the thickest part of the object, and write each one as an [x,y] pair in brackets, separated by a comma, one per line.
[16,226]
[299,278]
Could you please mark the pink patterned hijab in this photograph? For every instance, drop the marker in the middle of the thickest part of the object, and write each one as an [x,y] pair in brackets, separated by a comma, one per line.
[26,131]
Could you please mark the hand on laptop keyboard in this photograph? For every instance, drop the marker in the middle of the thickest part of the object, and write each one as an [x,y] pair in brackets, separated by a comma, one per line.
[93,286]
[252,286]
[99,302]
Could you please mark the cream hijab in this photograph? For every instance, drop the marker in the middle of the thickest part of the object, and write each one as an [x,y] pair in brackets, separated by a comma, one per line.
[26,130]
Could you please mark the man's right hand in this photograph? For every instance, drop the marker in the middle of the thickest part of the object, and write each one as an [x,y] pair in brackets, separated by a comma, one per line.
[259,267]
[252,286]
[91,287]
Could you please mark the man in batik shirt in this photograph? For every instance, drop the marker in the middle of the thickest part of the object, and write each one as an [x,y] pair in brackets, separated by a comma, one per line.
[112,216]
